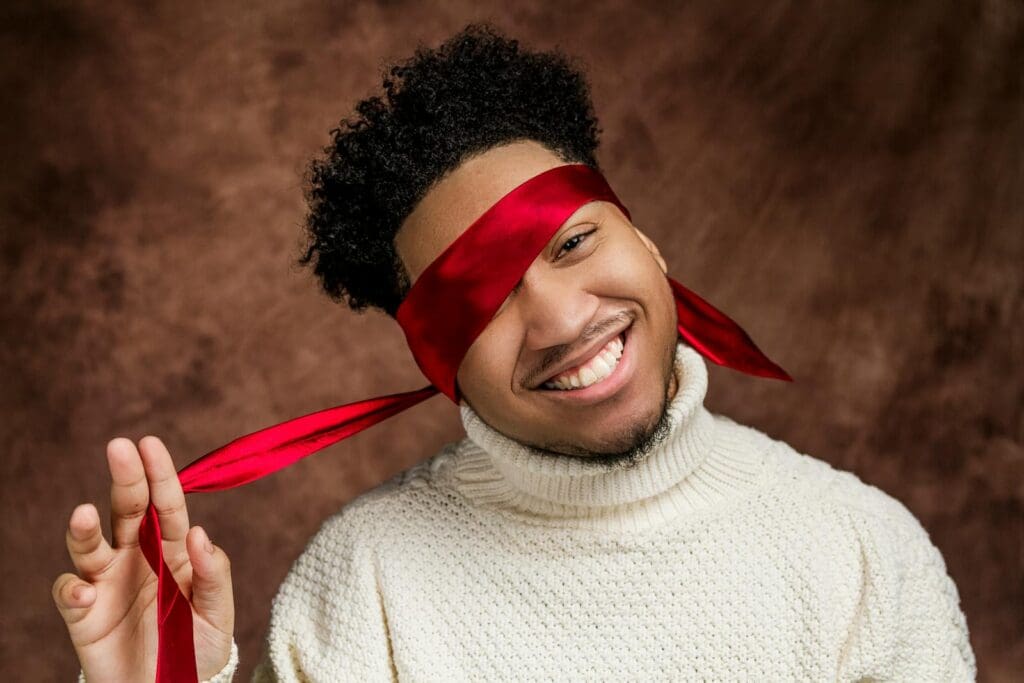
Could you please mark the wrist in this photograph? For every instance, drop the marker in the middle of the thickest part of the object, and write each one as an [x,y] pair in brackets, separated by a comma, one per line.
[226,672]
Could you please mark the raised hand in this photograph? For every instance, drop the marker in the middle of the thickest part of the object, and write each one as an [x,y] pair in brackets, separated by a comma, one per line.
[110,605]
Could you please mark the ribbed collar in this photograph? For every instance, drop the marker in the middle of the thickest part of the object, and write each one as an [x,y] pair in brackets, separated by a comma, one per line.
[705,460]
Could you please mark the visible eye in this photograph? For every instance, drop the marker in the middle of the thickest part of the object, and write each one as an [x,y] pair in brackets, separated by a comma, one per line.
[574,242]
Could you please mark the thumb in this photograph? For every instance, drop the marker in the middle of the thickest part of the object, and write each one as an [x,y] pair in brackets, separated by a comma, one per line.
[74,597]
[211,581]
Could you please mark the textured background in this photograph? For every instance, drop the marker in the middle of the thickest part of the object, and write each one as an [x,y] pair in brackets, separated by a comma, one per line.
[843,178]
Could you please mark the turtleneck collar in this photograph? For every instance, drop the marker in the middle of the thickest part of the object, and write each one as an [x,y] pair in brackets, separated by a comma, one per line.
[705,460]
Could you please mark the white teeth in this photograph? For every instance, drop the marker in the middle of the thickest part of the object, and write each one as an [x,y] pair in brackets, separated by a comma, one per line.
[597,368]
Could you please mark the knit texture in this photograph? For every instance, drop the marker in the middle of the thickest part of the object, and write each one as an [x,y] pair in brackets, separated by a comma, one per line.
[724,554]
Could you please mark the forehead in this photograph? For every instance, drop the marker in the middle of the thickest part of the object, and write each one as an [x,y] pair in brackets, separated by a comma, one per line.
[463,195]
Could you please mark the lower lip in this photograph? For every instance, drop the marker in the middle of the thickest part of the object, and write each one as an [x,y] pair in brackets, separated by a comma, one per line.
[599,391]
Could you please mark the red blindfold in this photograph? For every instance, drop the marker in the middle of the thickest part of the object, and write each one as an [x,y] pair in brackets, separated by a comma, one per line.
[443,313]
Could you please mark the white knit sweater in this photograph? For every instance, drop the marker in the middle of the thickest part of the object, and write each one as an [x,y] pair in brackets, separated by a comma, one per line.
[724,555]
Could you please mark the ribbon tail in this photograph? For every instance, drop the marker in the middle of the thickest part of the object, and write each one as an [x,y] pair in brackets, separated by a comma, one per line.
[268,450]
[176,653]
[239,462]
[718,338]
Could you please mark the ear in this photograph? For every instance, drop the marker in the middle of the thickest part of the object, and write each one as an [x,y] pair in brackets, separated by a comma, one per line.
[653,248]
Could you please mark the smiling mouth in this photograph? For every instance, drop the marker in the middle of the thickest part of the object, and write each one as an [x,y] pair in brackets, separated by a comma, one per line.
[593,372]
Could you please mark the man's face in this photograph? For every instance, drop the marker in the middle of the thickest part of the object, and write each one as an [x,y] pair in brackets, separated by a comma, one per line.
[597,276]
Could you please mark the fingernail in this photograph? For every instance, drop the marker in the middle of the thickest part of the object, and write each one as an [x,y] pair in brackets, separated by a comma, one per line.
[85,592]
[76,592]
[207,544]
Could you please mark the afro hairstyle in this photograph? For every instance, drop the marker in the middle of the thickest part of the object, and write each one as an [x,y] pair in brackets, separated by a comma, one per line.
[441,106]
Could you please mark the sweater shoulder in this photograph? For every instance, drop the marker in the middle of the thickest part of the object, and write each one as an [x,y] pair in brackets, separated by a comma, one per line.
[396,502]
[841,489]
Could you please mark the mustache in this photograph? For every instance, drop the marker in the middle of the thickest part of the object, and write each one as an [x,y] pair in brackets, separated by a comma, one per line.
[557,354]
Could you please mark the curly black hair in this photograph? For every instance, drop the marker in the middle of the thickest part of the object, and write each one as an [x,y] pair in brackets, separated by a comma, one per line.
[478,90]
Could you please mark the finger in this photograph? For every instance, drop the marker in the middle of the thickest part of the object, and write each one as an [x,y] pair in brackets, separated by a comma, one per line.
[129,492]
[73,597]
[211,581]
[89,551]
[165,491]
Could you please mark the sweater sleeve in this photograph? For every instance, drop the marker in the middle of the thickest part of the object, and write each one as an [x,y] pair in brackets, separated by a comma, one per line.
[228,672]
[934,640]
[327,620]
[223,676]
[909,625]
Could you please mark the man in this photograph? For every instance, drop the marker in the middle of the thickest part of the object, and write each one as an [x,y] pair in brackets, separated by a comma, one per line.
[597,522]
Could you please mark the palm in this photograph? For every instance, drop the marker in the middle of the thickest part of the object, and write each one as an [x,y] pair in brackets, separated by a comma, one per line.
[116,636]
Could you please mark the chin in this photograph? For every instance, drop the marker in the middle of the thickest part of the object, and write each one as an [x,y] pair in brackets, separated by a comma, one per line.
[617,434]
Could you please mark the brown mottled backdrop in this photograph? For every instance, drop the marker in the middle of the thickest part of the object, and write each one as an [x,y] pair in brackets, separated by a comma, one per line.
[844,178]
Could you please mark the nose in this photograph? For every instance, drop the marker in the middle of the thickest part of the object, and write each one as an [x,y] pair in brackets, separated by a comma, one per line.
[554,310]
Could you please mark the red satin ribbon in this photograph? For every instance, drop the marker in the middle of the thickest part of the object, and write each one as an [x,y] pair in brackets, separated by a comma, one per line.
[443,313]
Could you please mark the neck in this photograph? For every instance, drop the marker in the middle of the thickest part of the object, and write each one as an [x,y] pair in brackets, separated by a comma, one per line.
[683,472]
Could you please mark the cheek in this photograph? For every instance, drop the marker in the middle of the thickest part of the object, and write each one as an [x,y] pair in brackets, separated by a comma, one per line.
[634,274]
[630,270]
[485,374]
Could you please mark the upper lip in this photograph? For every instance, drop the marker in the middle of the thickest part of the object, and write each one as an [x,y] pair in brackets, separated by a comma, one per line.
[584,355]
